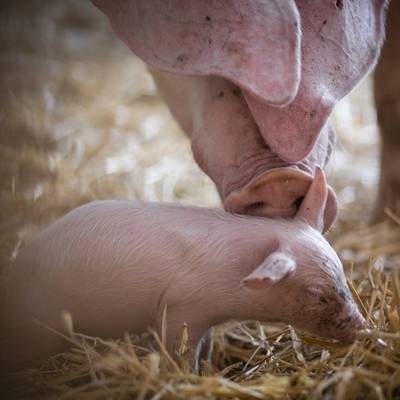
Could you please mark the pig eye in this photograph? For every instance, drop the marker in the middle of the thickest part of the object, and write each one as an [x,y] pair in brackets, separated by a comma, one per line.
[313,295]
[316,297]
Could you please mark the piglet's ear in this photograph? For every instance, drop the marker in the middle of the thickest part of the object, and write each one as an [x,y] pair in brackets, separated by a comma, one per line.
[312,209]
[275,267]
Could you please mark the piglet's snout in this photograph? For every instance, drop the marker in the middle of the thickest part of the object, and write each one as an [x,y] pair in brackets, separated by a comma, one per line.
[349,326]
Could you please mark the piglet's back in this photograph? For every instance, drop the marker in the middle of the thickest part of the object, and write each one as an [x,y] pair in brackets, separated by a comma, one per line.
[107,263]
[104,262]
[104,236]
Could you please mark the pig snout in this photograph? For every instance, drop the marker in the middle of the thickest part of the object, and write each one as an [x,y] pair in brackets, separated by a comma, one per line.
[351,325]
[277,193]
[346,325]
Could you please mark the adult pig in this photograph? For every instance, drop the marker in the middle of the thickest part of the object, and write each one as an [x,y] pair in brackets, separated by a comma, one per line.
[253,84]
[115,265]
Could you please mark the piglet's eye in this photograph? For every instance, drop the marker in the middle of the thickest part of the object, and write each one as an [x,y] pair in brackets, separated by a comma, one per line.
[313,295]
[313,291]
[323,300]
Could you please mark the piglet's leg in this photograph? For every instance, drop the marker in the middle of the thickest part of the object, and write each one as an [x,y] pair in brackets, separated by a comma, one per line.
[30,340]
[204,350]
[196,329]
[387,99]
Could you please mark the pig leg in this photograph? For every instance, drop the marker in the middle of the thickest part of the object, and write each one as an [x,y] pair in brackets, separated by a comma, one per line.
[200,341]
[197,327]
[28,319]
[387,100]
[30,339]
[204,350]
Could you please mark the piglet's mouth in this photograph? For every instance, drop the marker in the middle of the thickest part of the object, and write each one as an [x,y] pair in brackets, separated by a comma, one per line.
[347,329]
[277,193]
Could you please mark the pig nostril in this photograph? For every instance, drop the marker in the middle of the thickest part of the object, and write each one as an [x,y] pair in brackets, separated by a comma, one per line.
[252,208]
[257,207]
[298,201]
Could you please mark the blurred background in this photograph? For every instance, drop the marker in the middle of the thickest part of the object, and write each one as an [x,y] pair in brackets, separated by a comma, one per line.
[80,120]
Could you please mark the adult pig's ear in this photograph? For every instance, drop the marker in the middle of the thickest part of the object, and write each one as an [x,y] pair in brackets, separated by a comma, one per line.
[313,206]
[254,44]
[340,44]
[274,268]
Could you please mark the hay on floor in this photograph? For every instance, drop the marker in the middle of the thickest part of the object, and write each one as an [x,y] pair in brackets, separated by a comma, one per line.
[82,121]
[250,360]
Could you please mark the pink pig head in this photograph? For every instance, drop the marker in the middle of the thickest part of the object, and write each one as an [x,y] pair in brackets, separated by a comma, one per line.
[304,278]
[252,83]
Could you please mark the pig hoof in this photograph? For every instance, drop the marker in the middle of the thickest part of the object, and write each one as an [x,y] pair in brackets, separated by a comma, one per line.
[204,350]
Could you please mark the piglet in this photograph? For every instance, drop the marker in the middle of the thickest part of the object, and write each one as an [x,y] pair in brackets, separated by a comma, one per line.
[115,265]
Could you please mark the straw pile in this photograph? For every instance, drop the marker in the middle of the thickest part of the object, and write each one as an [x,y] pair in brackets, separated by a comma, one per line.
[81,121]
[250,360]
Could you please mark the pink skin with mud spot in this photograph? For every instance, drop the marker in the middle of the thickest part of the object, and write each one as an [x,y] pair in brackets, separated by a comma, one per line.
[253,82]
[115,265]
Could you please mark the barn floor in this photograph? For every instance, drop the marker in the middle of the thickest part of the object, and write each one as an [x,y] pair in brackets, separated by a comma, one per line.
[81,120]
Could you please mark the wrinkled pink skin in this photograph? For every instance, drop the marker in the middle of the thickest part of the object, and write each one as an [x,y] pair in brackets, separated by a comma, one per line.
[253,84]
[115,265]
[228,147]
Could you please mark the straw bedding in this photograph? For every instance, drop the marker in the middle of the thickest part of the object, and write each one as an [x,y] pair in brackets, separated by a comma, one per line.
[81,120]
